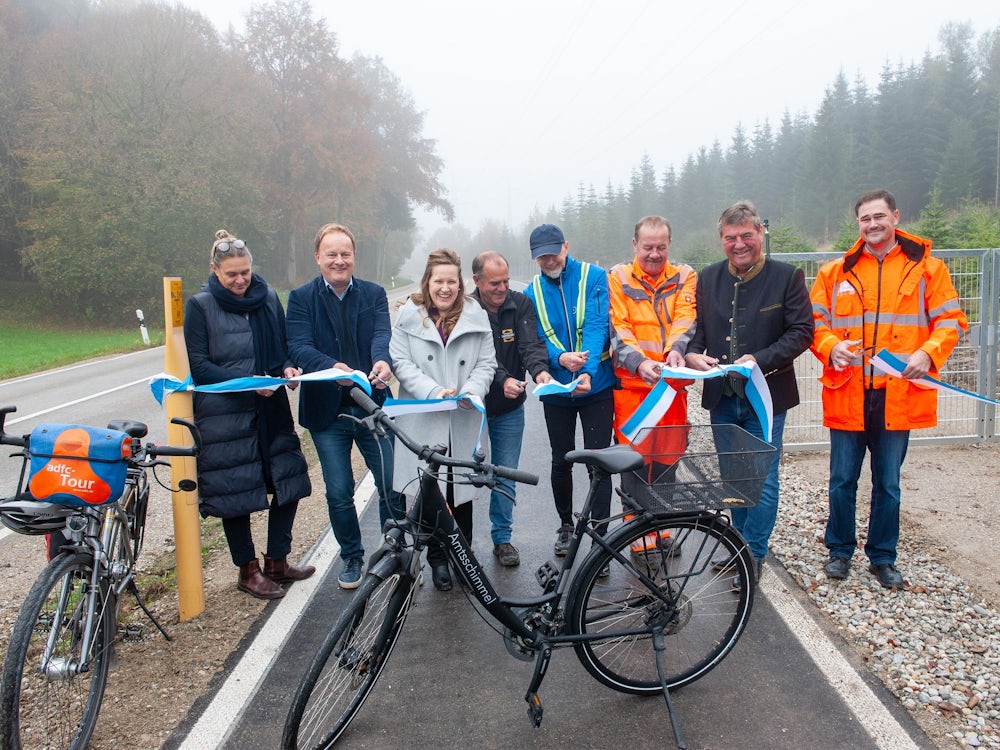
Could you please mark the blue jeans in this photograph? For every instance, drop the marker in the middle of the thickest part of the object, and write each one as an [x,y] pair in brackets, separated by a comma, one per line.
[506,432]
[847,453]
[756,523]
[333,446]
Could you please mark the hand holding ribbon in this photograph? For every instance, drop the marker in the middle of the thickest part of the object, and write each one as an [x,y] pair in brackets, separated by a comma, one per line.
[395,407]
[163,385]
[893,365]
[655,405]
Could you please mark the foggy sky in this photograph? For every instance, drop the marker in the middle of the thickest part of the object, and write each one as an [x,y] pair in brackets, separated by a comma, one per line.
[528,99]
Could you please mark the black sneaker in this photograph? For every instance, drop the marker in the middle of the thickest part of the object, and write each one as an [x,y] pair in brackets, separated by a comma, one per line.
[887,575]
[758,571]
[722,564]
[562,540]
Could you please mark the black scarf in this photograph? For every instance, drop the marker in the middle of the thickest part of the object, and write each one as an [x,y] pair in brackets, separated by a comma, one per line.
[269,356]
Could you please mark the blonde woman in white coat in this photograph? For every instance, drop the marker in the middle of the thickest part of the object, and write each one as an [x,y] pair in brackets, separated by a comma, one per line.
[442,345]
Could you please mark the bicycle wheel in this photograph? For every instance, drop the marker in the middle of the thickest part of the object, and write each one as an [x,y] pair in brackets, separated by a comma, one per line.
[349,662]
[45,699]
[700,615]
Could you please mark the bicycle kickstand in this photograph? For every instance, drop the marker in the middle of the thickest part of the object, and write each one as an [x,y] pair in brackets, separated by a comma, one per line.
[660,648]
[534,704]
[138,598]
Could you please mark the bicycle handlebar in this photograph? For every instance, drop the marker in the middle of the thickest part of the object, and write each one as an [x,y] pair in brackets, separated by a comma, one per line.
[6,439]
[426,453]
[516,475]
[152,449]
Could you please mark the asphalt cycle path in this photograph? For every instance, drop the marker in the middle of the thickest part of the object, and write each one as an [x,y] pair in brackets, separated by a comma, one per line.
[789,683]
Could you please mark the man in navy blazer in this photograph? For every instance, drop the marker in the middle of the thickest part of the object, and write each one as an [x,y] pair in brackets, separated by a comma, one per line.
[337,320]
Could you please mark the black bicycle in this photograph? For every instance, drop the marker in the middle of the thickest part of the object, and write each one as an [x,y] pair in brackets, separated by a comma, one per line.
[60,651]
[650,609]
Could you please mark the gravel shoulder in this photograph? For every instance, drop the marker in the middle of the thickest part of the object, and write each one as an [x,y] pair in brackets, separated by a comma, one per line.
[936,644]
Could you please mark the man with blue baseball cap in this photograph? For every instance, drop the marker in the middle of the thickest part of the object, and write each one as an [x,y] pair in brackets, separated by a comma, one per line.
[572,306]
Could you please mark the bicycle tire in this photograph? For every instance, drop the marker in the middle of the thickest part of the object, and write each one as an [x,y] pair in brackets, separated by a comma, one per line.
[52,705]
[349,661]
[705,620]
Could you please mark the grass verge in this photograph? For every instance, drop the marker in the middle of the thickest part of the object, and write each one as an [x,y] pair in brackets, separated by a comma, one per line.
[27,349]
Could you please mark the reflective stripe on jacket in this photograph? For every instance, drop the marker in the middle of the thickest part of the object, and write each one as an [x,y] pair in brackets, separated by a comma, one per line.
[903,303]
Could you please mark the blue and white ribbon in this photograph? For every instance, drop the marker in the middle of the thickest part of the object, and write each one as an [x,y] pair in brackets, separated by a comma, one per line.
[556,388]
[893,365]
[163,385]
[655,405]
[396,407]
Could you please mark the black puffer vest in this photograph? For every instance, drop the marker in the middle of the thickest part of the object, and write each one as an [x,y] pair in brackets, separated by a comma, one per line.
[231,480]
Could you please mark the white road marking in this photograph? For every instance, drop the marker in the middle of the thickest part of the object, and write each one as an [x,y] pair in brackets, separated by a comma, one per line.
[885,731]
[220,716]
[90,363]
[79,400]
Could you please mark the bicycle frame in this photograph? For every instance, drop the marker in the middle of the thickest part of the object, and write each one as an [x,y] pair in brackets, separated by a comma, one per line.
[96,536]
[431,522]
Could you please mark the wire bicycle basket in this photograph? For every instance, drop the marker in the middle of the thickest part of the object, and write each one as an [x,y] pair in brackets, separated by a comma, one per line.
[698,467]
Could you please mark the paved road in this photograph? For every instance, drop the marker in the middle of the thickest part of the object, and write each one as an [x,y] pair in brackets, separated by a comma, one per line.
[93,392]
[451,683]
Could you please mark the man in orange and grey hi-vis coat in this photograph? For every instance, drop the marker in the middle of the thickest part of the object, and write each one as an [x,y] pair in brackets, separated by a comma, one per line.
[886,292]
[652,319]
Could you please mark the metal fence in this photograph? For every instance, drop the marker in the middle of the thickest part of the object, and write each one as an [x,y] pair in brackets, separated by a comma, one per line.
[974,365]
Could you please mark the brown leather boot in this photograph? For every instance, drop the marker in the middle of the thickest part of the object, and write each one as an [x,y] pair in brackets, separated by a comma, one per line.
[282,572]
[256,583]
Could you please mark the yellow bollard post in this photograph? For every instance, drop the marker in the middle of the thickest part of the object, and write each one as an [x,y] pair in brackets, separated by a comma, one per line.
[187,524]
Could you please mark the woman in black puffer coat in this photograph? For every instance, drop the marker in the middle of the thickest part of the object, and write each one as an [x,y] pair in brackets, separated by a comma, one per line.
[235,327]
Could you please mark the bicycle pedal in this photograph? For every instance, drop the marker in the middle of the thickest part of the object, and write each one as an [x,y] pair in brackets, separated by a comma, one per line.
[132,632]
[547,576]
[534,709]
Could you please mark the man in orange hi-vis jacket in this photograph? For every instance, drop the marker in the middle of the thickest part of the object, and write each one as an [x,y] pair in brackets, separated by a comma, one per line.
[889,292]
[652,318]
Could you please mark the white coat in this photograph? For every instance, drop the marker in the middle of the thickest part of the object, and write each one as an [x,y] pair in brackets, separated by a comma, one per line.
[424,366]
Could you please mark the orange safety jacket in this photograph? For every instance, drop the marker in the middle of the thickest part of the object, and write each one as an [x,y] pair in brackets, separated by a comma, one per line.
[903,303]
[649,317]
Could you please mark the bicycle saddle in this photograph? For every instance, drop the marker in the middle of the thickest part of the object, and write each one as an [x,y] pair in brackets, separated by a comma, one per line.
[614,459]
[133,428]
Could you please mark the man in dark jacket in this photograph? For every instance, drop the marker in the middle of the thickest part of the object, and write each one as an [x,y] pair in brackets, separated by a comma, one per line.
[750,308]
[337,320]
[518,348]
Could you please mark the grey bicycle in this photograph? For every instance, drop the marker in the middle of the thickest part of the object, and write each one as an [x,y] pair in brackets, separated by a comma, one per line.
[56,666]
